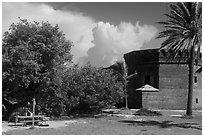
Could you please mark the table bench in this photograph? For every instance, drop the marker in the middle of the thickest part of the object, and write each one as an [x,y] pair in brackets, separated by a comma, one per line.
[29,119]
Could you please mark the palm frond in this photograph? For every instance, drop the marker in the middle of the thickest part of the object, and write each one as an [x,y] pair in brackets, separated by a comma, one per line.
[186,12]
[173,26]
[167,33]
[175,17]
[176,9]
[186,44]
[169,42]
[179,46]
[183,29]
[178,23]
[198,9]
[193,10]
[170,22]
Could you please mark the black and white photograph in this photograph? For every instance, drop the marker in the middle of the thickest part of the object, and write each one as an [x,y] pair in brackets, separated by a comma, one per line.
[101,67]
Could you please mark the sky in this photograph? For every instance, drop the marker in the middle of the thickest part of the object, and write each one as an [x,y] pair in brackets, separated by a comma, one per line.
[102,32]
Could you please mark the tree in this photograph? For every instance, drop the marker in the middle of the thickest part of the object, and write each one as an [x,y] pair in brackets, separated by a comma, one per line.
[183,32]
[32,53]
[121,69]
[90,89]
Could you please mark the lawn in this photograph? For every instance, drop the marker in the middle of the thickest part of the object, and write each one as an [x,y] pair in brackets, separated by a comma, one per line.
[120,125]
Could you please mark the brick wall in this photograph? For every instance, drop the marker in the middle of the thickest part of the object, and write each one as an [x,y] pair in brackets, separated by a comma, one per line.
[197,91]
[170,78]
[173,87]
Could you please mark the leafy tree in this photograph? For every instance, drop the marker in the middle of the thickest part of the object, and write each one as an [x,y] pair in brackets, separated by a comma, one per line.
[87,89]
[183,32]
[120,68]
[32,53]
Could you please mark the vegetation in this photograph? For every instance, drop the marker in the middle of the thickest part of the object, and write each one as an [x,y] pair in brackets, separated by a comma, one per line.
[84,90]
[183,32]
[121,69]
[35,57]
[32,55]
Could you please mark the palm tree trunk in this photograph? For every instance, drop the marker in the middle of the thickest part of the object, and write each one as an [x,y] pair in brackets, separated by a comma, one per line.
[190,87]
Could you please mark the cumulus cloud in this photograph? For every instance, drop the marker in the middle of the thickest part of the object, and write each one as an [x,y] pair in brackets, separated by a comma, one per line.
[76,26]
[111,42]
[100,43]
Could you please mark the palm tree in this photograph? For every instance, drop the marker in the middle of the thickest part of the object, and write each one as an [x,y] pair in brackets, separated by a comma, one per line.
[183,32]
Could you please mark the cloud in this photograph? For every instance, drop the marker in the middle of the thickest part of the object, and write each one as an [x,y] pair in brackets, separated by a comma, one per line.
[76,26]
[111,42]
[100,43]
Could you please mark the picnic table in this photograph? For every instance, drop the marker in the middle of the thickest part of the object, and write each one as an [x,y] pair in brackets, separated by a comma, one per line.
[28,119]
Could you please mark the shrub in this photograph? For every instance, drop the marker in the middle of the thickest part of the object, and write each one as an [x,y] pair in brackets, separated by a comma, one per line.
[90,89]
[84,89]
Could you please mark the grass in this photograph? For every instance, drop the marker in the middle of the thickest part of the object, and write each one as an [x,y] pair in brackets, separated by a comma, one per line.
[113,125]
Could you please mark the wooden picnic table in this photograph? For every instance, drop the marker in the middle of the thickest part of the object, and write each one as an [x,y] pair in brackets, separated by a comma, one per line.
[28,119]
[36,116]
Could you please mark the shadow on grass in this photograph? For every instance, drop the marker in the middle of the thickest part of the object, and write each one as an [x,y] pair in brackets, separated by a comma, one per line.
[163,124]
[78,116]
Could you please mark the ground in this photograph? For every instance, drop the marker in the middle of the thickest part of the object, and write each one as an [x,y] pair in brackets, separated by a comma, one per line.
[170,123]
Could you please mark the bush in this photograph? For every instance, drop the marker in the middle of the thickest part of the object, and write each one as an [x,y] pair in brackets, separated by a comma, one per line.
[90,89]
[84,89]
